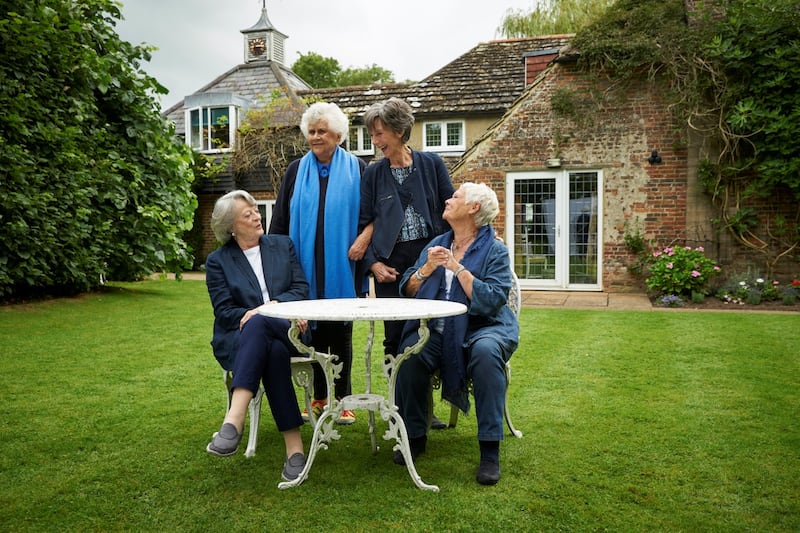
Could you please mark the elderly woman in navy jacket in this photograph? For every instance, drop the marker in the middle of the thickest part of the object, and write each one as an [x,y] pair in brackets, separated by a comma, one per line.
[403,195]
[251,269]
[467,265]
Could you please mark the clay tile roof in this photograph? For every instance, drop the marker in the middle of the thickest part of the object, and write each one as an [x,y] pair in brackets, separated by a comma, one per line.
[485,80]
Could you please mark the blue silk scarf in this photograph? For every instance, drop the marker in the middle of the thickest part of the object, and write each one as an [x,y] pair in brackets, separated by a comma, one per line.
[342,202]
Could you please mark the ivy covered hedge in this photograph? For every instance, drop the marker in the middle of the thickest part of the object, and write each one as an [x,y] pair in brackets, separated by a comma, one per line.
[93,183]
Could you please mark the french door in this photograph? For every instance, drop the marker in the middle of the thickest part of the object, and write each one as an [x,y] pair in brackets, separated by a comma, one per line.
[553,223]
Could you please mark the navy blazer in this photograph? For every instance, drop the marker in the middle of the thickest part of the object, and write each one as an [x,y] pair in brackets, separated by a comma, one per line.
[380,202]
[234,290]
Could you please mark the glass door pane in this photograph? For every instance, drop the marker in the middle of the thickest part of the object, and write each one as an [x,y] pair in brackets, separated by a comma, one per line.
[535,228]
[583,228]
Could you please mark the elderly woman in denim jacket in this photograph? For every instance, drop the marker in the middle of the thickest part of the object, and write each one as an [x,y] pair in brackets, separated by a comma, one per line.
[467,265]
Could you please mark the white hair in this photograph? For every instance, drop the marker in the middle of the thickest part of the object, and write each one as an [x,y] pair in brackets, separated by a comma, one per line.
[486,197]
[330,113]
[224,214]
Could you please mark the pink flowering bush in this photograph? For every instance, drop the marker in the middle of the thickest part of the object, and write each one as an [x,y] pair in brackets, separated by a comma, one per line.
[680,270]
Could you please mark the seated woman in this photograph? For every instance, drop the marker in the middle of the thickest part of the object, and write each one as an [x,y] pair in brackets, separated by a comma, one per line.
[467,265]
[247,271]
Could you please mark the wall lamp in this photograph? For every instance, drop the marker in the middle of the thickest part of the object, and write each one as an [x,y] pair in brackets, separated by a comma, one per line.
[654,158]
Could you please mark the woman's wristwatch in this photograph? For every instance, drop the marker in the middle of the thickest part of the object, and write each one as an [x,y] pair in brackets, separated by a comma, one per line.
[418,275]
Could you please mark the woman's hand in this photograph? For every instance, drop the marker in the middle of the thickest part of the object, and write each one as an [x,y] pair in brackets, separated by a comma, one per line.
[437,256]
[358,249]
[359,246]
[384,273]
[302,325]
[247,316]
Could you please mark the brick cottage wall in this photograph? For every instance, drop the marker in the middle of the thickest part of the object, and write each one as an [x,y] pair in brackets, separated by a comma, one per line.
[614,136]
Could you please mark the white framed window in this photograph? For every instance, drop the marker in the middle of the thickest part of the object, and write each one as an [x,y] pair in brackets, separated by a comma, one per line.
[359,142]
[444,136]
[212,128]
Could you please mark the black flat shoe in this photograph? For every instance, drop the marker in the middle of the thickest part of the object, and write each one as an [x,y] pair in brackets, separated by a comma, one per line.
[488,473]
[417,447]
[437,424]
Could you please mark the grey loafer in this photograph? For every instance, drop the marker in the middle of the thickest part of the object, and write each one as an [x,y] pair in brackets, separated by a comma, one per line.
[293,466]
[225,442]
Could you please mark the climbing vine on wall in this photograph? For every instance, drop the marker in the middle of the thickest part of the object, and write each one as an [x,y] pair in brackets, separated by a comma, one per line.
[734,73]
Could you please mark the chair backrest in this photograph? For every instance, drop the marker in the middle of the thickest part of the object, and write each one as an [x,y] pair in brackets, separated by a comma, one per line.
[515,295]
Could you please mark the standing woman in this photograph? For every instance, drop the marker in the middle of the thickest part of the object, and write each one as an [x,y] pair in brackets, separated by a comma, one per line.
[403,195]
[317,206]
[251,269]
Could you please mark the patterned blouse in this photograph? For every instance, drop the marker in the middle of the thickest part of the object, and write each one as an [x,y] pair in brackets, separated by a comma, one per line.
[414,227]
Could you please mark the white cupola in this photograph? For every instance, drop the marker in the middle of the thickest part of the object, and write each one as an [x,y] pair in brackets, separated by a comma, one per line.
[262,42]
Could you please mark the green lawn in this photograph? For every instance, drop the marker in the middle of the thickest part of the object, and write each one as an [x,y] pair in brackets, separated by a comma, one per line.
[633,421]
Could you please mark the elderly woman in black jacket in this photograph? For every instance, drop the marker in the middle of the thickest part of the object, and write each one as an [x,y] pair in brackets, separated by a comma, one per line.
[404,196]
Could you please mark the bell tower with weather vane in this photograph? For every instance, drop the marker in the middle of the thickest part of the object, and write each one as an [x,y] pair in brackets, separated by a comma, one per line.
[262,42]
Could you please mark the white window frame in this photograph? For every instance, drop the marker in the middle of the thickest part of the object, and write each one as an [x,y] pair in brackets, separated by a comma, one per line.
[205,146]
[266,216]
[559,226]
[364,144]
[443,146]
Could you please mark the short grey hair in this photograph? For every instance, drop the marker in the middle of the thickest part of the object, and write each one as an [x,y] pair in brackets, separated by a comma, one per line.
[486,197]
[337,121]
[394,113]
[224,214]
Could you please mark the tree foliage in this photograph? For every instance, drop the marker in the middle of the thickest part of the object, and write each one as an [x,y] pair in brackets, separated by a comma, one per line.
[734,71]
[316,70]
[323,72]
[93,182]
[364,76]
[549,17]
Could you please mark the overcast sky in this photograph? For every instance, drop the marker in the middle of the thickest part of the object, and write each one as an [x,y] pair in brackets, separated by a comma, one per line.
[198,40]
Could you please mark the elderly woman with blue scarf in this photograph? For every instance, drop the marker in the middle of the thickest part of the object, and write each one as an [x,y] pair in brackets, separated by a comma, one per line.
[467,265]
[318,208]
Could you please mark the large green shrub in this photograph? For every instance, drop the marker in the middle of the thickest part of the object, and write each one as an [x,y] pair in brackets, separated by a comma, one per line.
[92,180]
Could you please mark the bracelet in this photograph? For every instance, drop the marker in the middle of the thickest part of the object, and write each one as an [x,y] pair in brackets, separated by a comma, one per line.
[419,276]
[458,271]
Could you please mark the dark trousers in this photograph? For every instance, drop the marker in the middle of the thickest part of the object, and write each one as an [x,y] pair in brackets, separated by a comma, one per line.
[335,338]
[264,356]
[404,255]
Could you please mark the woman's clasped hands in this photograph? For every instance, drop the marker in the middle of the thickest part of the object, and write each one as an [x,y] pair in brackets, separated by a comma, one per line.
[440,256]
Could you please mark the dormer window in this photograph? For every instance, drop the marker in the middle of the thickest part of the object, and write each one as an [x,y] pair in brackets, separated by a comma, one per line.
[212,129]
[212,120]
[444,136]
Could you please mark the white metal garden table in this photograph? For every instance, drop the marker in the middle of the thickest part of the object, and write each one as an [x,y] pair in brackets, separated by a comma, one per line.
[362,309]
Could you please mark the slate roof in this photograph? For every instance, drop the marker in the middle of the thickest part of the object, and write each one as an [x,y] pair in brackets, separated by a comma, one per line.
[485,80]
[247,80]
